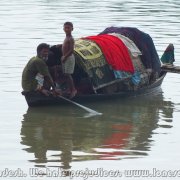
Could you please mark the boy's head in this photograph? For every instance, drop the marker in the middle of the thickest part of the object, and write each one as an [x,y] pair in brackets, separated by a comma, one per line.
[68,27]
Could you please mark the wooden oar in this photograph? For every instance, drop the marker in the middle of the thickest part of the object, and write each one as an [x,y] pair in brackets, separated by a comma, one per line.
[92,112]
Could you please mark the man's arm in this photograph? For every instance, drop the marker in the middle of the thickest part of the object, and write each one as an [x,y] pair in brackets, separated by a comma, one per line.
[50,81]
[43,70]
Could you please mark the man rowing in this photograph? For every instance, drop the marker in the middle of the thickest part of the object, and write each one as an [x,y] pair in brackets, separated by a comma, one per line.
[36,67]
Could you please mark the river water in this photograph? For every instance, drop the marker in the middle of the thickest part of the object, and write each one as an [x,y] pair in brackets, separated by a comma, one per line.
[140,133]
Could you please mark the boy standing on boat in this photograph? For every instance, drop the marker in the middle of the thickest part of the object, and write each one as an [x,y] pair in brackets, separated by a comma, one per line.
[68,59]
[36,70]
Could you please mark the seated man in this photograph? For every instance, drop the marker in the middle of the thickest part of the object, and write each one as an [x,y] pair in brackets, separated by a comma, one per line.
[37,65]
[54,64]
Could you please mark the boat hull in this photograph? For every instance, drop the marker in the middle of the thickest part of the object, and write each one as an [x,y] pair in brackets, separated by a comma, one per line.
[37,99]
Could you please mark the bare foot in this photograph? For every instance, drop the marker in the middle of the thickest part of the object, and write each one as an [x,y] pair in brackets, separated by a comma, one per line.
[73,93]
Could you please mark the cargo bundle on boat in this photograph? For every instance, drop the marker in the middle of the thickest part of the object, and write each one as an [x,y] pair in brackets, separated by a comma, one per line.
[119,62]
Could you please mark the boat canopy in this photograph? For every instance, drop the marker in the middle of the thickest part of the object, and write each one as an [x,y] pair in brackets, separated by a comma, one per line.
[118,54]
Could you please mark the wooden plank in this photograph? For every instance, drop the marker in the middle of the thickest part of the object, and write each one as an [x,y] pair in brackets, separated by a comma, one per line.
[171,68]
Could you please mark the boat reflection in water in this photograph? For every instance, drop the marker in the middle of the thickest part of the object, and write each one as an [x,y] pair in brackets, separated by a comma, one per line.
[58,135]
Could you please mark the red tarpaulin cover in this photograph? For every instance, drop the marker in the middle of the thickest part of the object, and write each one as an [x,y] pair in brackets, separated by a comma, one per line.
[115,52]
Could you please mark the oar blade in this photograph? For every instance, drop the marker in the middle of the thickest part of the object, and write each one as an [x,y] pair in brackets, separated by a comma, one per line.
[91,112]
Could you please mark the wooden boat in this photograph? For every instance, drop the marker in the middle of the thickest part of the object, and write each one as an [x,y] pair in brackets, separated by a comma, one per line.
[95,80]
[37,99]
